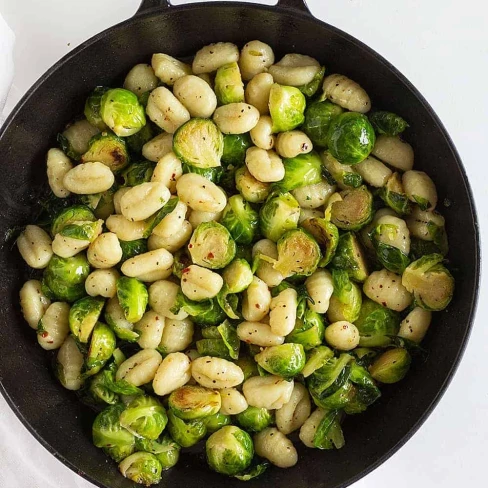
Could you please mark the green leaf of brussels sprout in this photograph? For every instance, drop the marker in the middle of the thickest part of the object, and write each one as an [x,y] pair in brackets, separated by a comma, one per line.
[99,391]
[329,433]
[338,173]
[204,313]
[115,318]
[181,261]
[347,296]
[255,419]
[391,366]
[394,196]
[102,346]
[387,123]
[144,417]
[186,433]
[120,387]
[214,347]
[310,89]
[318,117]
[93,105]
[278,215]
[70,215]
[354,211]
[212,174]
[309,330]
[286,106]
[237,276]
[142,467]
[229,450]
[108,149]
[286,360]
[248,366]
[121,111]
[199,143]
[86,231]
[241,220]
[138,172]
[365,391]
[230,338]
[131,249]
[235,147]
[327,236]
[316,358]
[229,303]
[253,471]
[165,449]
[228,85]
[133,298]
[302,170]
[192,402]
[351,258]
[155,219]
[216,421]
[390,257]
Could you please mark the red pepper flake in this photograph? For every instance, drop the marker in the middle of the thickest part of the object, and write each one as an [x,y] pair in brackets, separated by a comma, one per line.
[257,305]
[190,246]
[210,255]
[186,270]
[44,335]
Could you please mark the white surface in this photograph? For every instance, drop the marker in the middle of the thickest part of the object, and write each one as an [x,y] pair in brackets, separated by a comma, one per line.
[442,47]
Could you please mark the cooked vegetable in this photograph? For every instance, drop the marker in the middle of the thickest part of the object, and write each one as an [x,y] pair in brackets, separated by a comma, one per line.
[350,257]
[287,107]
[394,195]
[165,449]
[308,331]
[286,360]
[228,84]
[93,106]
[186,433]
[387,123]
[318,117]
[327,236]
[235,147]
[133,298]
[240,219]
[391,366]
[354,211]
[302,170]
[279,214]
[345,302]
[341,174]
[141,467]
[144,417]
[109,150]
[102,346]
[194,402]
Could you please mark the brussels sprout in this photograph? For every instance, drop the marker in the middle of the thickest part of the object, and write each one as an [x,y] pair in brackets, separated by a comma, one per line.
[345,302]
[230,338]
[308,331]
[181,261]
[212,246]
[212,174]
[204,313]
[216,421]
[235,147]
[354,211]
[141,467]
[327,236]
[237,276]
[253,471]
[316,358]
[375,323]
[144,417]
[186,432]
[137,173]
[109,434]
[93,105]
[394,196]
[350,257]
[286,106]
[100,392]
[387,123]
[70,215]
[241,220]
[85,231]
[250,188]
[391,366]
[213,347]
[248,366]
[430,228]
[136,141]
[131,249]
[120,387]
[330,384]
[255,419]
[155,219]
[389,255]
[133,297]
[74,139]
[364,355]
[310,89]
[229,450]
[329,433]
[365,391]
[121,111]
[229,87]
[102,203]
[298,253]
[279,214]
[199,143]
[302,170]
[193,402]
[165,449]
[102,346]
[108,149]
[350,138]
[318,117]
[115,318]
[341,174]
[65,277]
[286,360]
[430,282]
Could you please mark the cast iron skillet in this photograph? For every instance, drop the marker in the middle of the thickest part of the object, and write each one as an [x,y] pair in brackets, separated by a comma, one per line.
[53,415]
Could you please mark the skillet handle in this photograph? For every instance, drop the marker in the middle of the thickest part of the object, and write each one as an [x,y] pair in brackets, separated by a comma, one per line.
[300,5]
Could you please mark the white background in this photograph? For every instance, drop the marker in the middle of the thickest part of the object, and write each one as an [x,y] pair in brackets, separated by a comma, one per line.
[442,47]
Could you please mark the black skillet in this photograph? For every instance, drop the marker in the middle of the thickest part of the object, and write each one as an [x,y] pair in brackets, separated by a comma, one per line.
[54,416]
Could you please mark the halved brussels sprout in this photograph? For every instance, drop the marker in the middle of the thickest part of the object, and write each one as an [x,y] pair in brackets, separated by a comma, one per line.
[350,138]
[121,111]
[387,123]
[133,298]
[430,282]
[318,117]
[165,449]
[194,402]
[364,392]
[229,450]
[241,220]
[308,331]
[286,360]
[235,147]
[228,86]
[329,432]
[310,89]
[302,170]
[341,174]
[255,419]
[93,105]
[108,149]
[216,422]
[316,358]
[141,467]
[250,188]
[278,215]
[327,236]
[109,434]
[230,338]
[102,346]
[200,143]
[345,302]
[392,366]
[375,323]
[350,257]
[298,253]
[237,276]
[131,249]
[186,432]
[65,277]
[286,106]
[394,196]
[354,211]
[137,173]
[70,215]
[212,246]
[144,417]
[115,318]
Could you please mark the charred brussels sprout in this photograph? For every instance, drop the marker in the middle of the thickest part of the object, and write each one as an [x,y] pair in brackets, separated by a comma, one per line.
[394,196]
[65,277]
[286,106]
[229,87]
[430,282]
[144,417]
[350,257]
[354,211]
[278,215]
[133,297]
[391,366]
[229,450]
[93,106]
[141,467]
[235,147]
[193,402]
[199,143]
[186,433]
[387,123]
[350,138]
[121,111]
[308,331]
[302,170]
[212,246]
[165,449]
[255,419]
[137,173]
[241,220]
[102,346]
[286,360]
[318,117]
[109,149]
